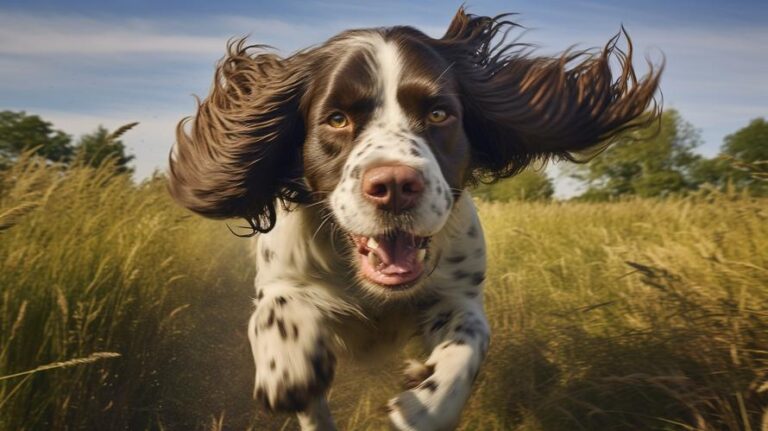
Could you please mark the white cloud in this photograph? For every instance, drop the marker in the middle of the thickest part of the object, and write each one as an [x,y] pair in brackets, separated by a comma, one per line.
[26,34]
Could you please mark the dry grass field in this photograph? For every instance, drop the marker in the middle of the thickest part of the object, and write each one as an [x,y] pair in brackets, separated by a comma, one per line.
[631,315]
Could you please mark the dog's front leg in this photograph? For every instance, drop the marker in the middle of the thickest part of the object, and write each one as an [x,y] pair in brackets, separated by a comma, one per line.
[291,350]
[457,332]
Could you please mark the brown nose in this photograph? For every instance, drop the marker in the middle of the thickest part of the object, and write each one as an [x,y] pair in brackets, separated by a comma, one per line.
[393,188]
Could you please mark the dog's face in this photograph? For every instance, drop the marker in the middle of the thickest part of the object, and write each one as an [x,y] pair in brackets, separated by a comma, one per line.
[385,146]
[385,127]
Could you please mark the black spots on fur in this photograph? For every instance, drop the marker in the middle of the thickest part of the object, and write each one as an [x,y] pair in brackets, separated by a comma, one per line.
[271,318]
[460,274]
[470,327]
[427,182]
[323,364]
[280,301]
[355,173]
[295,331]
[415,152]
[378,147]
[281,328]
[267,254]
[429,385]
[259,295]
[471,293]
[290,399]
[456,259]
[454,343]
[448,201]
[435,210]
[441,320]
[467,330]
[272,365]
[472,232]
[343,207]
[295,396]
[477,278]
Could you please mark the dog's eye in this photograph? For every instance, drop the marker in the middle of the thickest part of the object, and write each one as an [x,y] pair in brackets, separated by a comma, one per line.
[337,120]
[437,116]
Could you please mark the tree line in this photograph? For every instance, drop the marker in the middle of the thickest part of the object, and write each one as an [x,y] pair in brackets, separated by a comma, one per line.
[656,161]
[20,132]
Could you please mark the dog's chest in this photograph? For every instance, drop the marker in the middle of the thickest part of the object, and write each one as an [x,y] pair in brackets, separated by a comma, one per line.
[385,331]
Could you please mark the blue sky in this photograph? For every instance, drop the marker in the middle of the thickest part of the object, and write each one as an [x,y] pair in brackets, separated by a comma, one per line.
[83,63]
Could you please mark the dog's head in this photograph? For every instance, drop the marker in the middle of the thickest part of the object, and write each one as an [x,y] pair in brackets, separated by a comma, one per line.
[386,127]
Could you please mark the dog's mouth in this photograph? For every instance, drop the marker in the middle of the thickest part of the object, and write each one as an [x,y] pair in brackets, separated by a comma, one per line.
[394,260]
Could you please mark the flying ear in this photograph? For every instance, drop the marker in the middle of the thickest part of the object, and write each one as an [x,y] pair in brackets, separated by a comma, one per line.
[242,150]
[519,108]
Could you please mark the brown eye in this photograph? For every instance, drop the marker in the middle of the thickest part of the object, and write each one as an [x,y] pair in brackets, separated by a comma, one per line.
[437,116]
[337,120]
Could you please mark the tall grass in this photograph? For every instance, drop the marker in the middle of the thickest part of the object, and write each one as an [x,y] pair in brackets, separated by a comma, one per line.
[91,262]
[640,314]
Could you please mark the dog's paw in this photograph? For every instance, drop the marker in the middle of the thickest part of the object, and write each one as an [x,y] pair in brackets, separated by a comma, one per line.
[416,372]
[421,409]
[294,365]
[437,390]
[429,404]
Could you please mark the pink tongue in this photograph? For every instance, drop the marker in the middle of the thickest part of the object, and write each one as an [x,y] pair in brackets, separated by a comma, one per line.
[397,254]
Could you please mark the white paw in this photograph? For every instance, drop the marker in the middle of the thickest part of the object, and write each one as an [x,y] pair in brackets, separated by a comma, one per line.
[433,403]
[293,363]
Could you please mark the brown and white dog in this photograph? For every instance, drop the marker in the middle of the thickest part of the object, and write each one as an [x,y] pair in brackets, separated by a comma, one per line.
[352,160]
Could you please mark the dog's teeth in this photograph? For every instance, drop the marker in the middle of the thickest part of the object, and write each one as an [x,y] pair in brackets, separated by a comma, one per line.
[372,243]
[421,254]
[374,260]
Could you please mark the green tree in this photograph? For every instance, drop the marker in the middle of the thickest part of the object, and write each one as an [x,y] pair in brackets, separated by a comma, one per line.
[527,185]
[653,161]
[742,162]
[749,144]
[20,132]
[94,148]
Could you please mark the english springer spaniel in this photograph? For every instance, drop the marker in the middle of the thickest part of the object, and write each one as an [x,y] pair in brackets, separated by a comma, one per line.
[352,160]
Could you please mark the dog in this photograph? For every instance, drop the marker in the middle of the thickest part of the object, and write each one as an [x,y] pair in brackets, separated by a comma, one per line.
[352,161]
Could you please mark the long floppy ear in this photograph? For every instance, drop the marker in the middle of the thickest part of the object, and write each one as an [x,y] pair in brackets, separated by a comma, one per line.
[242,150]
[519,108]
